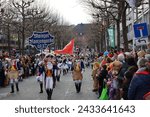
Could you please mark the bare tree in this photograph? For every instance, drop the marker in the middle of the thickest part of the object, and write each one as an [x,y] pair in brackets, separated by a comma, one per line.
[108,11]
[8,18]
[22,7]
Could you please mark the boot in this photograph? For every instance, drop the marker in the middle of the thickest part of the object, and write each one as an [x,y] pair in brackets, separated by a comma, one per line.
[12,88]
[77,87]
[17,88]
[54,82]
[41,87]
[80,86]
[58,78]
[50,94]
[47,91]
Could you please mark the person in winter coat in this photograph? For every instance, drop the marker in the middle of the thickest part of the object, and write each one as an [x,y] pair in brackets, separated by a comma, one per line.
[140,83]
[128,75]
[95,76]
[102,78]
[77,76]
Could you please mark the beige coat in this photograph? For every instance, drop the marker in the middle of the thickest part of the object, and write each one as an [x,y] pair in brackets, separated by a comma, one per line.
[77,75]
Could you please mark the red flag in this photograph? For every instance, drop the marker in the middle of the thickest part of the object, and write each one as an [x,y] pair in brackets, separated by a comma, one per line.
[68,49]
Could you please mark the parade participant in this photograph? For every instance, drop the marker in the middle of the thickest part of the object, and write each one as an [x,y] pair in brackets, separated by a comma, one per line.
[82,64]
[13,75]
[54,71]
[77,76]
[20,69]
[95,76]
[6,68]
[49,78]
[64,65]
[41,75]
[59,70]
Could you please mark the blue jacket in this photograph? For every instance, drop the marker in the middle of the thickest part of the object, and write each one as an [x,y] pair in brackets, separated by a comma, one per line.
[139,85]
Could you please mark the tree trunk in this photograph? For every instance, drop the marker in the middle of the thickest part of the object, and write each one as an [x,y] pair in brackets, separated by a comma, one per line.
[8,36]
[104,40]
[118,34]
[23,34]
[124,28]
[19,47]
[98,45]
[101,42]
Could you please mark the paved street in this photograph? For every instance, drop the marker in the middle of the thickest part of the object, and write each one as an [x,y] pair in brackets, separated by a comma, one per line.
[65,90]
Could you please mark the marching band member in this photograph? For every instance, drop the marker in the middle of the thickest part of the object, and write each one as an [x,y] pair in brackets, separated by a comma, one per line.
[59,66]
[54,72]
[41,75]
[49,78]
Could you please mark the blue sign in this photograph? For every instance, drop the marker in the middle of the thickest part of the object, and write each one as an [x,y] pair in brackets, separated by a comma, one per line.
[41,40]
[140,30]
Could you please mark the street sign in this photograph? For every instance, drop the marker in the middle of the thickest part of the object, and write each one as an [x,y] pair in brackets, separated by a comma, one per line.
[140,42]
[41,40]
[140,30]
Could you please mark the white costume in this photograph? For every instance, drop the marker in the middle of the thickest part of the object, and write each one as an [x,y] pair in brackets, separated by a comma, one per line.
[49,78]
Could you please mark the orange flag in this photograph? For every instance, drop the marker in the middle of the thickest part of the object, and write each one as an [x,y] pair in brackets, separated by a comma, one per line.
[68,49]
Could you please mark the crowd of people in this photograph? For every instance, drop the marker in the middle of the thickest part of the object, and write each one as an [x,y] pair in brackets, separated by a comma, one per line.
[25,66]
[116,74]
[122,75]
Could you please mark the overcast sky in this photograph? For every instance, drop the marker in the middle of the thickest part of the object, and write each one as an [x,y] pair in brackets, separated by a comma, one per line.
[71,10]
